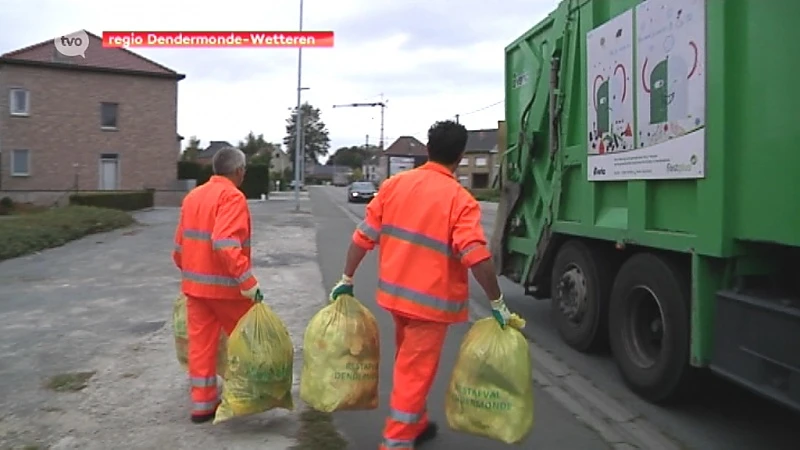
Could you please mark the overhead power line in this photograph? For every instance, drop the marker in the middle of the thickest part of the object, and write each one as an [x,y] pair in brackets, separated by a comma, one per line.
[458,116]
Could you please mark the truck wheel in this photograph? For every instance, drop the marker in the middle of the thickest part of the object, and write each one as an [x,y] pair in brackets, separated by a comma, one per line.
[649,327]
[579,287]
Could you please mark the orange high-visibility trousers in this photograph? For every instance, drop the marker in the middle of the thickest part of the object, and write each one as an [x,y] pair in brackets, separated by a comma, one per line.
[419,347]
[205,318]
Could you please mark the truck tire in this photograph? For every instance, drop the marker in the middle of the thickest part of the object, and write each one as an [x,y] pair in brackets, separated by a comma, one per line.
[580,285]
[649,327]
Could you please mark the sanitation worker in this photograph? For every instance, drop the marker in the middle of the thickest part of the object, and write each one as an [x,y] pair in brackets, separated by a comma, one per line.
[429,231]
[212,250]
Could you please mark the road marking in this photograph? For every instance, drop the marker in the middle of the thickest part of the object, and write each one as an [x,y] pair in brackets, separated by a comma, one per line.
[607,416]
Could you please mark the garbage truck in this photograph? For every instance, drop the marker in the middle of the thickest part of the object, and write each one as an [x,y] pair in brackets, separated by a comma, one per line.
[650,184]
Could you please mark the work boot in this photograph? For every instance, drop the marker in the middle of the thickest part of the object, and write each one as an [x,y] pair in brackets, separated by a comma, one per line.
[427,434]
[203,418]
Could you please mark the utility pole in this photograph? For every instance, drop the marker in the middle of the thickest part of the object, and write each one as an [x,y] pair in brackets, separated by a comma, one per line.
[298,147]
[381,103]
[457,116]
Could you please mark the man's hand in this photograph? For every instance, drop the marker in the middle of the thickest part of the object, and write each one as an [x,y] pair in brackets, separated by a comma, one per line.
[343,287]
[500,311]
[254,293]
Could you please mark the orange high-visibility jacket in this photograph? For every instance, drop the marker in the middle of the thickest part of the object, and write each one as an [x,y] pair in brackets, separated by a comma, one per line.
[429,231]
[212,242]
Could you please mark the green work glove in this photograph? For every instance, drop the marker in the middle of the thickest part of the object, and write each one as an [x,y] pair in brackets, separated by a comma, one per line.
[500,311]
[254,293]
[343,287]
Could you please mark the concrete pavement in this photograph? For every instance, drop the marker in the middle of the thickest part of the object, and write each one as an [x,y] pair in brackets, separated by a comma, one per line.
[556,426]
[722,417]
[103,305]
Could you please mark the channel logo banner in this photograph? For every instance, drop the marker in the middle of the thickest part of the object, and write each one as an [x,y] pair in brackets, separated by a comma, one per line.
[217,39]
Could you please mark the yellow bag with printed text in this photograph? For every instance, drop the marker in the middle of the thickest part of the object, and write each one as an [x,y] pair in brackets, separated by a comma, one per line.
[182,338]
[260,362]
[491,389]
[341,356]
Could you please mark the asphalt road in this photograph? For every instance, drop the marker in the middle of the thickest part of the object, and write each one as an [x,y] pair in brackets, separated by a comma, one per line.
[723,417]
[555,427]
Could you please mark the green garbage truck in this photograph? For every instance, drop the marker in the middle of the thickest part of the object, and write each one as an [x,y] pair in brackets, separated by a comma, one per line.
[648,187]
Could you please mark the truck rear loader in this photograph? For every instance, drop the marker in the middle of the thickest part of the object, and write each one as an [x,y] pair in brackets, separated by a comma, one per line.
[649,187]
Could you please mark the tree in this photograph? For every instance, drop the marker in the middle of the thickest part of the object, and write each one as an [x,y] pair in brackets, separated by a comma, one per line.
[315,140]
[352,157]
[357,175]
[191,150]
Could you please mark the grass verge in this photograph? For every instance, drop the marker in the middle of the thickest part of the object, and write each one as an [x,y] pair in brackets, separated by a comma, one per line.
[317,432]
[30,233]
[69,382]
[486,195]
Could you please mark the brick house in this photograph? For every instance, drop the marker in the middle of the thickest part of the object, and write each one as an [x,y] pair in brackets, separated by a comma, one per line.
[104,122]
[476,169]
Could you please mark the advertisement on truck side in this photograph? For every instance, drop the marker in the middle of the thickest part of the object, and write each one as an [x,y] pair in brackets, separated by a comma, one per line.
[646,85]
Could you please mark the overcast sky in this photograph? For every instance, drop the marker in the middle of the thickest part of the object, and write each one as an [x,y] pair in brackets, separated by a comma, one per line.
[431,59]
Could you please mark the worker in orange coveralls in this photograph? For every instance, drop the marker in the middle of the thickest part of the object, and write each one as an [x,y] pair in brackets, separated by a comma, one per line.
[212,250]
[429,231]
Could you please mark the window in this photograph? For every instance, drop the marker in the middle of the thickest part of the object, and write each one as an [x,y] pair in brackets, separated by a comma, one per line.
[480,162]
[20,163]
[108,115]
[464,162]
[464,180]
[19,102]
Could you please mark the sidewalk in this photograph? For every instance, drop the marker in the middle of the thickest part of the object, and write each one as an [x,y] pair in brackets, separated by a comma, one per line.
[102,306]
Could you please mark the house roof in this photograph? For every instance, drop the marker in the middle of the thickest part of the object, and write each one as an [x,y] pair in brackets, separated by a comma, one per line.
[407,146]
[98,59]
[212,149]
[481,141]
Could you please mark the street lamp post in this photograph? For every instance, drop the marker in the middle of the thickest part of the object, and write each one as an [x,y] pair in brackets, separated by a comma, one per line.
[298,149]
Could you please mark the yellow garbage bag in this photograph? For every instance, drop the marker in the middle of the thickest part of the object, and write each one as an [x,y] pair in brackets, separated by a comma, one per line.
[260,359]
[341,355]
[491,389]
[182,338]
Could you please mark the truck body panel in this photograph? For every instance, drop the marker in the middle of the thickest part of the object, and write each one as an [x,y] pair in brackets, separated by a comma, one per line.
[589,89]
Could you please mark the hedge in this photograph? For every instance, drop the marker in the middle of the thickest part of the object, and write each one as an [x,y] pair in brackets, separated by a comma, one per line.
[120,200]
[256,178]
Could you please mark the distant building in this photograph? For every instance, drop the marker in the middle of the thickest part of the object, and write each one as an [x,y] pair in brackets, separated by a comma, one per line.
[204,156]
[476,169]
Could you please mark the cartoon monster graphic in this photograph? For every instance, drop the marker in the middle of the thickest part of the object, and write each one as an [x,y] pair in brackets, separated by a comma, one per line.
[603,104]
[668,86]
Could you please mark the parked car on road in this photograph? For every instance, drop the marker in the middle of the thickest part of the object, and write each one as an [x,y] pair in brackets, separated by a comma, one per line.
[361,191]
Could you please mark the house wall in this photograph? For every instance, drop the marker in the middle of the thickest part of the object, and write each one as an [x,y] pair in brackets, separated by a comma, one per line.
[64,136]
[470,165]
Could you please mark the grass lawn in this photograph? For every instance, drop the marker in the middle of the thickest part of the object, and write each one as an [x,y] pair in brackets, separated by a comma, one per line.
[32,231]
[486,195]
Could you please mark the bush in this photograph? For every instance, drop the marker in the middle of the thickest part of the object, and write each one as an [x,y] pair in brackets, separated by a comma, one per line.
[6,206]
[256,181]
[31,233]
[124,201]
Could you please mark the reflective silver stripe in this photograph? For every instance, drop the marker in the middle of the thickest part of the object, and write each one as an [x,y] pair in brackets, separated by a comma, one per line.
[243,277]
[398,444]
[417,238]
[405,417]
[422,298]
[204,406]
[218,280]
[246,243]
[225,243]
[197,234]
[203,381]
[466,251]
[368,230]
